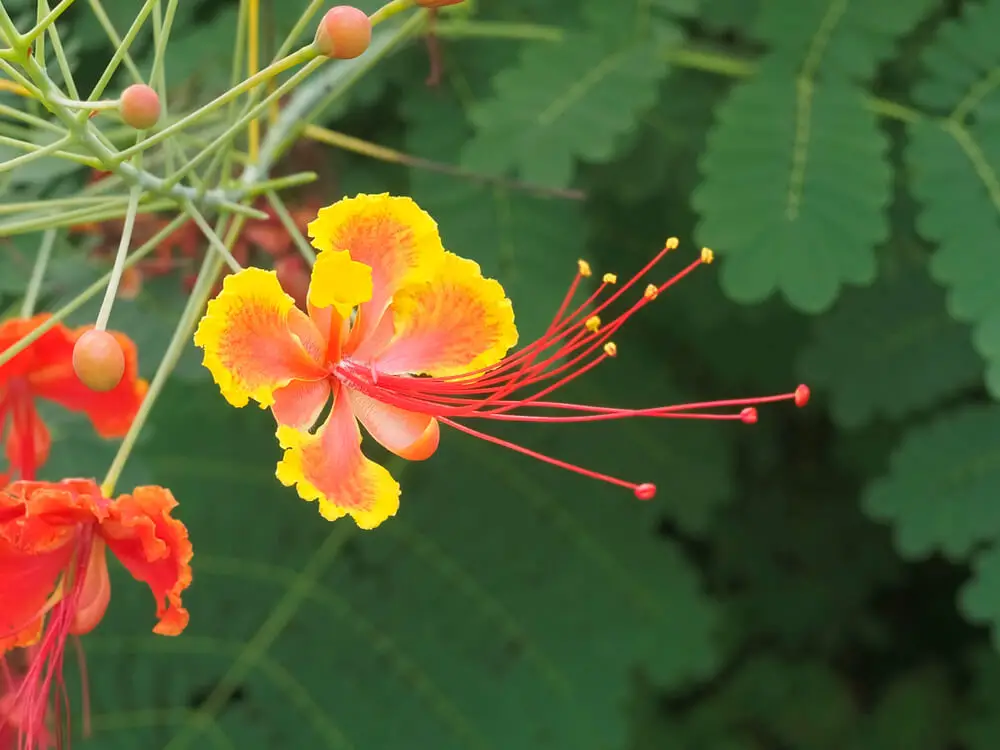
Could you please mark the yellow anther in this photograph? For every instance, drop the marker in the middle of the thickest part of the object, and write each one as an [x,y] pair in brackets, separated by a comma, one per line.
[584,267]
[707,256]
[593,323]
[610,349]
[651,292]
[610,278]
[672,243]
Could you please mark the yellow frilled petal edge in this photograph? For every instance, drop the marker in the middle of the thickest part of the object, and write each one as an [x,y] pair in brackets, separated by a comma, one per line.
[248,340]
[455,323]
[340,282]
[330,468]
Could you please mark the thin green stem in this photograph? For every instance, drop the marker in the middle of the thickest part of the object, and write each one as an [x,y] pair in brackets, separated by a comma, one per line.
[301,243]
[37,152]
[52,204]
[189,319]
[229,133]
[121,45]
[30,119]
[119,265]
[57,49]
[87,294]
[9,32]
[390,9]
[213,239]
[49,19]
[299,27]
[281,183]
[41,8]
[82,216]
[38,273]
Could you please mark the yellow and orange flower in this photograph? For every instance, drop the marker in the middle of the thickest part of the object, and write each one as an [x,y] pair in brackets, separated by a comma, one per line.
[54,538]
[45,370]
[404,335]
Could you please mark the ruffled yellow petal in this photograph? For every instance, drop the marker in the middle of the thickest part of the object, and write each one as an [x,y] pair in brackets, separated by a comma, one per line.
[340,282]
[455,323]
[256,341]
[391,235]
[330,468]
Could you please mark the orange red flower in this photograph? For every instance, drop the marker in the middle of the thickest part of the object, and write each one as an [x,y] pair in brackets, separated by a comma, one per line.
[403,336]
[44,370]
[54,539]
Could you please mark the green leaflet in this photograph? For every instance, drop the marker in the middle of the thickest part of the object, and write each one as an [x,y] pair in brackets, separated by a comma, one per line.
[955,163]
[795,190]
[889,349]
[562,102]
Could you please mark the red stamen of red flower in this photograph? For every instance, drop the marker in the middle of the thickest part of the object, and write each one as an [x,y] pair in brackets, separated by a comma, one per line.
[45,672]
[574,343]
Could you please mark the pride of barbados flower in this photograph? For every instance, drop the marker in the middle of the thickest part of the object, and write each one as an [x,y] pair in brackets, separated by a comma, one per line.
[54,539]
[406,336]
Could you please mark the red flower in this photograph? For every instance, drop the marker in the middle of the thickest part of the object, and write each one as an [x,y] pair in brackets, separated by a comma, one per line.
[45,370]
[54,538]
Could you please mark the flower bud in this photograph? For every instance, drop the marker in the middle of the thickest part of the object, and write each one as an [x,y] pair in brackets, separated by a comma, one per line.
[344,33]
[98,360]
[140,106]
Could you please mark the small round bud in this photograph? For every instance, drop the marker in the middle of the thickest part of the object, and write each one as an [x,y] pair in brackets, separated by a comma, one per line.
[645,491]
[343,33]
[98,360]
[140,106]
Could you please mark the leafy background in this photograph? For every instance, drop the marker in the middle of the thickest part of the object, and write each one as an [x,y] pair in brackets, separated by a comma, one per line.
[826,579]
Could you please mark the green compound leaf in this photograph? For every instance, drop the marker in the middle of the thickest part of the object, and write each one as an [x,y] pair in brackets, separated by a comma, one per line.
[530,243]
[845,38]
[940,491]
[980,597]
[890,349]
[794,203]
[955,167]
[561,102]
[505,606]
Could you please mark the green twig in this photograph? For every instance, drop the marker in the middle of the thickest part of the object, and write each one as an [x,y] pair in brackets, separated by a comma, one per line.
[38,273]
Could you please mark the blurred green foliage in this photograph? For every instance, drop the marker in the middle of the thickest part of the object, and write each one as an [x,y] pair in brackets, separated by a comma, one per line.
[828,579]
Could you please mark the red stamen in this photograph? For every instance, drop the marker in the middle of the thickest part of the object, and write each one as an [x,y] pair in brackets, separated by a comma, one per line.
[574,343]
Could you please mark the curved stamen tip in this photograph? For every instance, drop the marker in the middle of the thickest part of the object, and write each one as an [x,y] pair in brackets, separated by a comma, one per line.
[593,323]
[645,491]
[583,267]
[672,243]
[610,278]
[802,395]
[748,415]
[707,256]
[611,349]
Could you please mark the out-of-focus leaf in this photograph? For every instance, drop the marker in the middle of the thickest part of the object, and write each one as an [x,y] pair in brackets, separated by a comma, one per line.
[940,491]
[890,349]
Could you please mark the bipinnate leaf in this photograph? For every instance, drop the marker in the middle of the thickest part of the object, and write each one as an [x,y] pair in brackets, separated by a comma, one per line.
[795,201]
[955,167]
[940,491]
[506,605]
[979,599]
[561,102]
[889,349]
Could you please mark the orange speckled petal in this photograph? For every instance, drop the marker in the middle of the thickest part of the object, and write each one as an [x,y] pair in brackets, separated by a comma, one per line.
[330,468]
[256,340]
[456,323]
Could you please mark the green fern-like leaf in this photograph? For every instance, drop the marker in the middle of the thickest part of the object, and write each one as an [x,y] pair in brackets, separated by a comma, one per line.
[795,189]
[889,349]
[565,101]
[796,181]
[940,491]
[955,163]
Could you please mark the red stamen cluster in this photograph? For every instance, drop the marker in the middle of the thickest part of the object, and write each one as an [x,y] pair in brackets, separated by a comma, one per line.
[573,344]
